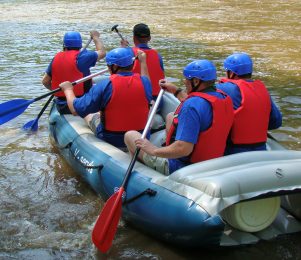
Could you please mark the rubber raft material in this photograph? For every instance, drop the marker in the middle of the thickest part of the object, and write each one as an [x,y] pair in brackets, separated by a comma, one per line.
[186,207]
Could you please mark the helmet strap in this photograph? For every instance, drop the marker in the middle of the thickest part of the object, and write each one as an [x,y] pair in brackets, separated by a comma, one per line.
[193,86]
[114,69]
[230,74]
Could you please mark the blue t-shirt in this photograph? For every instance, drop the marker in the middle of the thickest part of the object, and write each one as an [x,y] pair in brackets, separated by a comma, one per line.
[275,116]
[97,99]
[195,116]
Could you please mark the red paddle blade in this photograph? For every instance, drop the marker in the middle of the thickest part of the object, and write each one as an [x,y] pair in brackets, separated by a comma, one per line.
[106,225]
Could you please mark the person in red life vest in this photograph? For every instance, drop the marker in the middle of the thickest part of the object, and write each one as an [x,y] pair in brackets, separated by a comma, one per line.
[72,64]
[255,111]
[200,125]
[123,98]
[141,38]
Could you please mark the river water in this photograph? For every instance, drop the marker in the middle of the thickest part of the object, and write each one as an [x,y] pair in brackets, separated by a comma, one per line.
[46,211]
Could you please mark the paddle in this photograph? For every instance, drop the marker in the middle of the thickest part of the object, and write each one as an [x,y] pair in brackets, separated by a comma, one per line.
[107,222]
[13,108]
[33,124]
[114,28]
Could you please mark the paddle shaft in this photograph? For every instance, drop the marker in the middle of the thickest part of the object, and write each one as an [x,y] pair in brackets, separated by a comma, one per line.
[272,137]
[114,28]
[87,44]
[73,84]
[145,131]
[45,106]
[120,36]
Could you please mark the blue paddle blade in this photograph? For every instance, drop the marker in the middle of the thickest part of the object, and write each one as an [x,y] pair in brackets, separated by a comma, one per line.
[13,108]
[31,125]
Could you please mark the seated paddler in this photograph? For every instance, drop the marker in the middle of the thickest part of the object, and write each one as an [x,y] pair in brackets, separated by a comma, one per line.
[117,103]
[254,110]
[199,127]
[71,64]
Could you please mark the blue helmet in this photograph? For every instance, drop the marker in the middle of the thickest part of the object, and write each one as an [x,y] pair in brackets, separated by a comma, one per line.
[121,57]
[72,40]
[239,63]
[201,69]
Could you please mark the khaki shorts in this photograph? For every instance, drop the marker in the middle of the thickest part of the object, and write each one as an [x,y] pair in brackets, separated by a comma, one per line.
[95,121]
[158,163]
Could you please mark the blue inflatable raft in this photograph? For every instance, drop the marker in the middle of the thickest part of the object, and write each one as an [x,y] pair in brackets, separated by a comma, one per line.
[228,201]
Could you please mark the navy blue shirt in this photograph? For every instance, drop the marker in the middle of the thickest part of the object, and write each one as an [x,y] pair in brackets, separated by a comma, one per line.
[275,115]
[97,99]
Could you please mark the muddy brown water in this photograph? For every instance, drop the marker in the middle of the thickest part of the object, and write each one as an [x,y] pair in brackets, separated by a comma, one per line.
[46,211]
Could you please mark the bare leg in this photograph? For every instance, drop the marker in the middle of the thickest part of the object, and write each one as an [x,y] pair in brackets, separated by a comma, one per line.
[169,119]
[89,117]
[129,140]
[93,120]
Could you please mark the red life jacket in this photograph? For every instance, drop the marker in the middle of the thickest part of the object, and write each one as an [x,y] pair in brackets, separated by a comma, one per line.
[251,119]
[212,142]
[64,69]
[128,107]
[154,68]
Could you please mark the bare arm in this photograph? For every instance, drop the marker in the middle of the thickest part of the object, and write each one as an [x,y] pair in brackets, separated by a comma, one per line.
[170,87]
[124,43]
[69,93]
[100,49]
[142,59]
[175,150]
[46,81]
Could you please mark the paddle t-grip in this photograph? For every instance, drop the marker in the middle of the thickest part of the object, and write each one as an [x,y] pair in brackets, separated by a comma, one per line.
[114,28]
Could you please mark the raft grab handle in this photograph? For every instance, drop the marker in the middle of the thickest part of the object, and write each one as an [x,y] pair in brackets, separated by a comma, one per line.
[148,191]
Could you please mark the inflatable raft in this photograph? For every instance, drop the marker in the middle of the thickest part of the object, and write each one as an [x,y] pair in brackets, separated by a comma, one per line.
[229,201]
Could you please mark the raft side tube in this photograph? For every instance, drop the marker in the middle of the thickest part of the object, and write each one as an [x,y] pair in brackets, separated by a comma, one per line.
[218,183]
